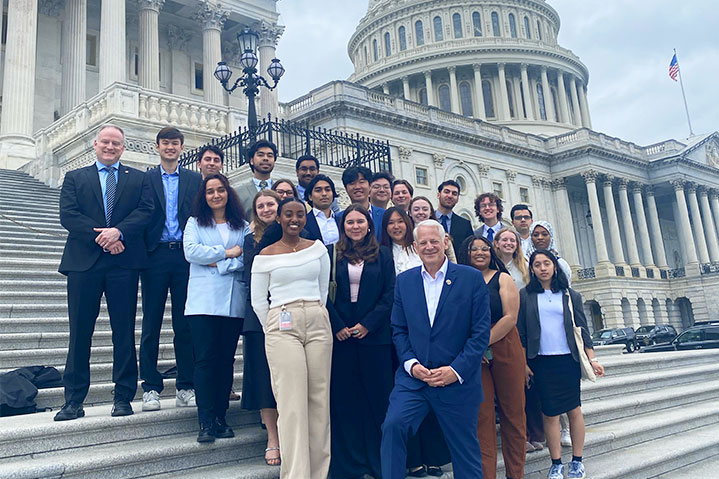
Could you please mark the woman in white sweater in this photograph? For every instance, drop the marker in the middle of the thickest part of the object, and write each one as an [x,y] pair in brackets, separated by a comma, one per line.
[298,341]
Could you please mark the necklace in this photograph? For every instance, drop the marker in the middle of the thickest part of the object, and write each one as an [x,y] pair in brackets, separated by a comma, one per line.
[293,248]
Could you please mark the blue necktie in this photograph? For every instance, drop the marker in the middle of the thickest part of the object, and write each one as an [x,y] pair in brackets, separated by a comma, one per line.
[443,220]
[110,190]
[490,234]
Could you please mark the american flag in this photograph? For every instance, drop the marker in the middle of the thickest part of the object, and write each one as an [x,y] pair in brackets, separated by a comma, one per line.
[674,68]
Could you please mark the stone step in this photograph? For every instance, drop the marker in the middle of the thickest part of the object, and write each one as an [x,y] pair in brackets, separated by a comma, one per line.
[51,208]
[27,190]
[30,247]
[46,340]
[252,469]
[30,219]
[57,283]
[32,239]
[60,324]
[27,264]
[19,213]
[646,362]
[55,232]
[31,275]
[43,226]
[706,468]
[54,255]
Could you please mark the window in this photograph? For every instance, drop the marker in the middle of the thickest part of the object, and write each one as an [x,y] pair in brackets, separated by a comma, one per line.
[540,100]
[366,58]
[570,105]
[711,334]
[488,100]
[199,80]
[462,184]
[465,99]
[445,102]
[477,24]
[510,98]
[135,62]
[402,38]
[375,52]
[438,35]
[539,30]
[527,30]
[690,336]
[420,175]
[524,194]
[90,50]
[387,45]
[524,102]
[554,104]
[497,189]
[512,26]
[423,96]
[419,32]
[457,25]
[4,28]
[495,24]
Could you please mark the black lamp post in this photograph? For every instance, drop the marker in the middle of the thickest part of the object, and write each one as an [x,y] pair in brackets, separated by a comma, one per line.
[250,80]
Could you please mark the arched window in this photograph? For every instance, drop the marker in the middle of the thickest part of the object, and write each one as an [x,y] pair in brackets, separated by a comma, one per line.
[445,103]
[527,30]
[488,99]
[457,25]
[540,100]
[495,24]
[419,32]
[402,38]
[462,183]
[374,50]
[387,45]
[539,30]
[477,24]
[438,35]
[465,99]
[366,58]
[554,104]
[512,26]
[423,96]
[510,99]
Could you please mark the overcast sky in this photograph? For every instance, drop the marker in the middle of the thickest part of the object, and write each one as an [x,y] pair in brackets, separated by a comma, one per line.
[626,44]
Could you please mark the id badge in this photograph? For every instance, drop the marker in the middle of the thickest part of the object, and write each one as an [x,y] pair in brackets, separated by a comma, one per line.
[285,320]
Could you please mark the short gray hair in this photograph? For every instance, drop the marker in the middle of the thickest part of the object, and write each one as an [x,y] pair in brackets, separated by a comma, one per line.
[110,125]
[432,224]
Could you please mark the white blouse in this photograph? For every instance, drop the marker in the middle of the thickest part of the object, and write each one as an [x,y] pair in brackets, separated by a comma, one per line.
[553,337]
[403,259]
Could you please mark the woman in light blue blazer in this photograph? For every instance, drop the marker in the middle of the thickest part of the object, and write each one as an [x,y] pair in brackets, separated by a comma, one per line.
[216,298]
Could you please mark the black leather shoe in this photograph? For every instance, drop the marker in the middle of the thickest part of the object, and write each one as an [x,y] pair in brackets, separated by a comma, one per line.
[122,408]
[206,434]
[222,430]
[70,411]
[421,472]
[434,471]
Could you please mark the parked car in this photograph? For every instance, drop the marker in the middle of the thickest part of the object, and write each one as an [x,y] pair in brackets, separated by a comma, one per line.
[624,336]
[704,336]
[654,334]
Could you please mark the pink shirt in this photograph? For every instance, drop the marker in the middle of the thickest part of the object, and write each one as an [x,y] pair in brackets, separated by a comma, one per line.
[355,274]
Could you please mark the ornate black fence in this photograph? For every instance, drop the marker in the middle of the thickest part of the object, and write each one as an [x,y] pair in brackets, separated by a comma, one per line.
[333,148]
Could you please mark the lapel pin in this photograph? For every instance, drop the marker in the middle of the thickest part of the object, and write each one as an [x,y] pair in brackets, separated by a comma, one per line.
[127,171]
[448,282]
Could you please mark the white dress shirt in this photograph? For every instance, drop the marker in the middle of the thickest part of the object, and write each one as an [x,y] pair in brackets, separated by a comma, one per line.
[328,227]
[257,183]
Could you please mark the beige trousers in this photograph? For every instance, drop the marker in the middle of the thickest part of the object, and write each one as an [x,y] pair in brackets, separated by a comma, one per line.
[300,361]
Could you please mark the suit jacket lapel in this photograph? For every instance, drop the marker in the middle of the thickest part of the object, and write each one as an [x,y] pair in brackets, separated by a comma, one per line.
[93,177]
[343,277]
[366,277]
[156,181]
[419,288]
[446,288]
[123,173]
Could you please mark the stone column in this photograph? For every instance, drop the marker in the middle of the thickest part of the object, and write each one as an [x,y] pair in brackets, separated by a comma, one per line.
[656,232]
[405,88]
[709,229]
[73,54]
[563,102]
[503,95]
[430,88]
[642,224]
[548,103]
[584,106]
[629,235]
[113,53]
[526,89]
[453,90]
[269,36]
[714,201]
[568,243]
[615,235]
[517,94]
[684,226]
[697,224]
[149,68]
[590,178]
[211,18]
[479,96]
[575,102]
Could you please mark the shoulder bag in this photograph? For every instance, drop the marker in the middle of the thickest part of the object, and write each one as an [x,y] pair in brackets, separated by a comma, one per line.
[584,363]
[332,289]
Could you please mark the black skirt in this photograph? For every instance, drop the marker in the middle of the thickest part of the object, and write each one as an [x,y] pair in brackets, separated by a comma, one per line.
[256,385]
[557,381]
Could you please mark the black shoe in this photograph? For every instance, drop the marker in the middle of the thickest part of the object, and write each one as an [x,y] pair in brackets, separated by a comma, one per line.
[206,434]
[435,471]
[222,430]
[121,408]
[421,472]
[70,411]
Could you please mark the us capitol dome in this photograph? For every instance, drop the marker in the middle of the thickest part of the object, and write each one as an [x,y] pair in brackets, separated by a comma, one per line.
[496,60]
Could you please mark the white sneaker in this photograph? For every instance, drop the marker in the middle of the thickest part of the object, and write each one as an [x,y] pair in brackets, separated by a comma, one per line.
[566,438]
[185,398]
[151,401]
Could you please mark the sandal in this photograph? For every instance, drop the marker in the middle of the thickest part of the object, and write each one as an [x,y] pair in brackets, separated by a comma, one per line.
[273,461]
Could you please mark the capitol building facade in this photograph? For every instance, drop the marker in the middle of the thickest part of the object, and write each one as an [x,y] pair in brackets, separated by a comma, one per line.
[473,90]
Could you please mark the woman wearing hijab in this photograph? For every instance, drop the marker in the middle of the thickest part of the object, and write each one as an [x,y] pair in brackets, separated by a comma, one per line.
[542,235]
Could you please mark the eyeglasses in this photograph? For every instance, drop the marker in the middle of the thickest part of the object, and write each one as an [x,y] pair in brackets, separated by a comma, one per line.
[484,249]
[284,193]
[522,217]
[487,205]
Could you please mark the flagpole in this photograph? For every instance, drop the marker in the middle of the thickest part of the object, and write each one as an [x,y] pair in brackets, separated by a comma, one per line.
[686,107]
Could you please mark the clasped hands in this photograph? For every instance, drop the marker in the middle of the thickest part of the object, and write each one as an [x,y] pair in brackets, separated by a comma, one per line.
[357,331]
[436,378]
[109,240]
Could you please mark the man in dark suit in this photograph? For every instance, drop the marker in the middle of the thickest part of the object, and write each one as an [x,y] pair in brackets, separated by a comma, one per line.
[458,228]
[356,181]
[105,207]
[174,190]
[321,225]
[261,156]
[440,340]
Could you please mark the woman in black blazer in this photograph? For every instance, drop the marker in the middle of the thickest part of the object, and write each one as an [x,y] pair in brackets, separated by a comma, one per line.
[546,330]
[362,352]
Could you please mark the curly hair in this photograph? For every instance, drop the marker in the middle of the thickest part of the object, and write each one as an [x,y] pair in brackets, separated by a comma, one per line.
[494,199]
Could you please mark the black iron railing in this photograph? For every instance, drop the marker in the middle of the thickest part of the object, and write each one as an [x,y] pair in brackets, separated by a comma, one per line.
[332,148]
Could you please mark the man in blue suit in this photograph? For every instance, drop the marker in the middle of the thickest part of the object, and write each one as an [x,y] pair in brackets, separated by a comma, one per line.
[440,329]
[356,181]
